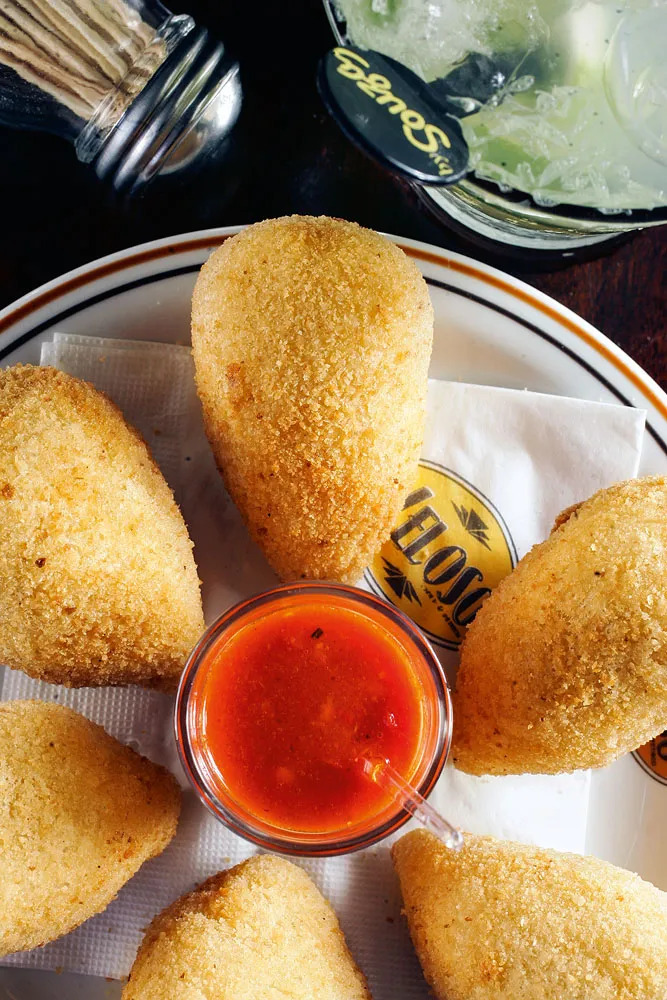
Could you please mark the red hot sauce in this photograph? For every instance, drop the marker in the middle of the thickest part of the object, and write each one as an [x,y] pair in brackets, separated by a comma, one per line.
[293,702]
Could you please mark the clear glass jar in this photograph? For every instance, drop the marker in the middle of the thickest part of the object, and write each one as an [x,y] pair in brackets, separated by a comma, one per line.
[190,719]
[138,90]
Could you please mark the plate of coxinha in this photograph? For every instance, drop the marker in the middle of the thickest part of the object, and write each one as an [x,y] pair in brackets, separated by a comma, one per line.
[312,340]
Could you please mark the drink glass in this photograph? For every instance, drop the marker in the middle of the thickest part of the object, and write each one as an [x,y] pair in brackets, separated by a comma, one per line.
[563,104]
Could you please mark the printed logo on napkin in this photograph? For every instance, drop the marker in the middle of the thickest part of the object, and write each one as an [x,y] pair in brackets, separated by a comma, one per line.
[652,758]
[448,551]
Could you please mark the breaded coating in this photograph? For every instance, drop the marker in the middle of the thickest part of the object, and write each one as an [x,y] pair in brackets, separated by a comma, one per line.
[259,931]
[502,921]
[312,339]
[79,815]
[565,666]
[98,584]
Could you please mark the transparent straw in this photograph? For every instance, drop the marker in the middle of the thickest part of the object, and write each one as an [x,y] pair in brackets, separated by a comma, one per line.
[385,775]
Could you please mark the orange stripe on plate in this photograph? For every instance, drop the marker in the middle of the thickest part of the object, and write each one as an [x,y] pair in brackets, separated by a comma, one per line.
[104,270]
[504,286]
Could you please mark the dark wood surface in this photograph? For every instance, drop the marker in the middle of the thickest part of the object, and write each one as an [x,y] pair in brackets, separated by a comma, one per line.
[286,155]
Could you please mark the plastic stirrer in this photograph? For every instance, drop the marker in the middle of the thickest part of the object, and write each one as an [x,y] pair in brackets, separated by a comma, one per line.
[384,774]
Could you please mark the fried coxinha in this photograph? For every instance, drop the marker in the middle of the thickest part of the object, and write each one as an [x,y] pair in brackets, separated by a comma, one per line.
[503,921]
[312,339]
[259,931]
[98,583]
[79,815]
[565,665]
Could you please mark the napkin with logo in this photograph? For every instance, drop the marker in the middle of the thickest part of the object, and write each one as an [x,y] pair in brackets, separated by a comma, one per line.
[498,466]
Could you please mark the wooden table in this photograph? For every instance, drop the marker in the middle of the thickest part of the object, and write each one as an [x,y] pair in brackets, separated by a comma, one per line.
[286,155]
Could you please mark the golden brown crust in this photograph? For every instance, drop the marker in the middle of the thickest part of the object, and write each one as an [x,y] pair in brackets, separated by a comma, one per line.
[312,339]
[565,515]
[502,921]
[259,930]
[79,815]
[565,665]
[98,582]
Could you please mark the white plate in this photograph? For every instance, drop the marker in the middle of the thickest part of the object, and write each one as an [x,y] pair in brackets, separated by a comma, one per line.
[489,329]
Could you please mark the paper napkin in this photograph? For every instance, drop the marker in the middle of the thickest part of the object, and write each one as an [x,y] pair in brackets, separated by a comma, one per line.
[498,466]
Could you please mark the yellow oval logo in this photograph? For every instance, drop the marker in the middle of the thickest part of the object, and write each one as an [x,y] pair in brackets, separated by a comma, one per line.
[652,758]
[448,551]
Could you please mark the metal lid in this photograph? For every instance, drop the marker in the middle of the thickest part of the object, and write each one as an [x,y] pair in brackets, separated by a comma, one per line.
[182,114]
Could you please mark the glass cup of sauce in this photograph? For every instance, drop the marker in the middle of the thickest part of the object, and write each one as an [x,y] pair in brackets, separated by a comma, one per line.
[289,697]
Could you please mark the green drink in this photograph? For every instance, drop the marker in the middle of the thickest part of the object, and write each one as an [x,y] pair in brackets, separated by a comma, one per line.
[570,101]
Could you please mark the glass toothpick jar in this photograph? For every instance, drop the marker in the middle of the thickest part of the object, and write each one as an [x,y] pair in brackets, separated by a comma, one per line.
[138,90]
